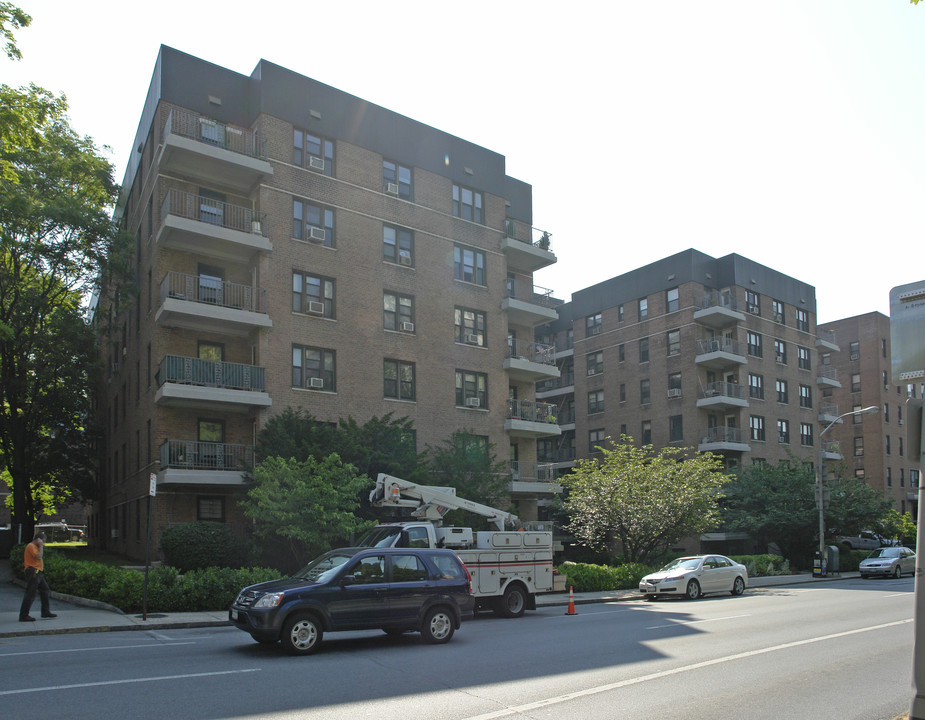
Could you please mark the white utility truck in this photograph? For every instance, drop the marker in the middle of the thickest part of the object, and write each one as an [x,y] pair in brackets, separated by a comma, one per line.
[508,567]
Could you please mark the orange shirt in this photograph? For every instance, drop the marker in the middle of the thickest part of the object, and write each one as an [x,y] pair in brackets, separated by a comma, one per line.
[32,557]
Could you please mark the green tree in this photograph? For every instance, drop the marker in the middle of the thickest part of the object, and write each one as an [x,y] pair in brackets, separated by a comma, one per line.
[301,508]
[643,498]
[12,18]
[897,526]
[55,240]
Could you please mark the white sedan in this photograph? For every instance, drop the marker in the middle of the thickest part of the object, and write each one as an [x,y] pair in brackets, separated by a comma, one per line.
[694,576]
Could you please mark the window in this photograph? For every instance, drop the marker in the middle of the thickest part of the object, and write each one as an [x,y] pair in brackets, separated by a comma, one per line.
[471,389]
[398,379]
[674,342]
[756,386]
[803,358]
[469,265]
[397,246]
[313,151]
[672,300]
[592,324]
[777,310]
[620,314]
[854,350]
[397,312]
[368,571]
[313,368]
[312,223]
[408,568]
[806,396]
[595,362]
[756,427]
[467,204]
[621,352]
[674,385]
[783,432]
[644,350]
[646,432]
[753,341]
[780,352]
[210,508]
[783,396]
[643,308]
[752,302]
[396,179]
[595,402]
[802,320]
[859,446]
[806,434]
[622,392]
[595,439]
[645,392]
[856,382]
[313,295]
[469,326]
[675,428]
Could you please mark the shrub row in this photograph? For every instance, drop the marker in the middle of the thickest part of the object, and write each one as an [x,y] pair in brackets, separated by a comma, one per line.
[762,565]
[168,591]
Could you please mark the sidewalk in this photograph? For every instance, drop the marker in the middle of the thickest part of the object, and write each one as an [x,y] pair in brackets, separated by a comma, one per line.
[79,615]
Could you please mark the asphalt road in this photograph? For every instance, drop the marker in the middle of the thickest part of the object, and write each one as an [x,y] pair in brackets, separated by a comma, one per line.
[839,650]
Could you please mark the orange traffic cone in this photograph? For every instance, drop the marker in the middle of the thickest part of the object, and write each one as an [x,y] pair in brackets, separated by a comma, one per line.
[571,602]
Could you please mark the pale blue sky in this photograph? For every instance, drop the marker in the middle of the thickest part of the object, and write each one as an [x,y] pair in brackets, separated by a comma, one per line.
[790,132]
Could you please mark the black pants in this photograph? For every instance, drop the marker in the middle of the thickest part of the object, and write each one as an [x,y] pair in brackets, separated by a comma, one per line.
[35,581]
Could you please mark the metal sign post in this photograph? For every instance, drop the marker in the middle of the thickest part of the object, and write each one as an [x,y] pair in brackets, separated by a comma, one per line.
[152,491]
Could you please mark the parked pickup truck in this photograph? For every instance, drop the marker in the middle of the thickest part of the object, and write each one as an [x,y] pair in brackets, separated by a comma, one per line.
[867,540]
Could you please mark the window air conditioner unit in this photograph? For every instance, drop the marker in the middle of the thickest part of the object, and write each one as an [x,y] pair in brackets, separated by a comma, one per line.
[316,382]
[391,188]
[316,234]
[674,392]
[780,359]
[753,309]
[315,307]
[782,439]
[407,327]
[404,258]
[592,371]
[114,532]
[471,339]
[316,163]
[473,402]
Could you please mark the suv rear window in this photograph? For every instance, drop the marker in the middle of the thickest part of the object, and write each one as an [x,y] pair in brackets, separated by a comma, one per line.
[449,566]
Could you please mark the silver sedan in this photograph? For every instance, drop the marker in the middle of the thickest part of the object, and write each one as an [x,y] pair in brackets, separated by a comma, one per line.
[694,576]
[888,562]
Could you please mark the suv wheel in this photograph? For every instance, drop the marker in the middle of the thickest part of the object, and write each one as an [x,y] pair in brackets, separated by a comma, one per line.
[301,635]
[438,626]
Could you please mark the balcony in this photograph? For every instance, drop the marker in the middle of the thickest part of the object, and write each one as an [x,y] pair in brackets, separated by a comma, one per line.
[529,419]
[210,384]
[827,376]
[191,462]
[533,477]
[828,413]
[826,340]
[831,451]
[724,439]
[215,153]
[562,385]
[527,304]
[193,223]
[526,248]
[530,361]
[719,353]
[722,396]
[204,303]
[718,310]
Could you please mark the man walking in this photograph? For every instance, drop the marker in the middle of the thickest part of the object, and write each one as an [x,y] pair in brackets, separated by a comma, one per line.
[35,580]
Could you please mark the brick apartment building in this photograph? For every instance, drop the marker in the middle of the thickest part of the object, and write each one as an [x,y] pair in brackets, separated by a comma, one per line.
[874,446]
[301,247]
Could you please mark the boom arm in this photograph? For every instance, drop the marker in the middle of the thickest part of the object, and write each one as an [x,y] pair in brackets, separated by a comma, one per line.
[431,502]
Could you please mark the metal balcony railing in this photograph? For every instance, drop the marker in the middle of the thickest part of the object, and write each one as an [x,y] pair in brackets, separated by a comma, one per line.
[533,471]
[214,212]
[531,411]
[210,373]
[213,291]
[516,230]
[717,299]
[723,434]
[212,132]
[723,389]
[198,455]
[534,352]
[528,292]
[828,372]
[726,345]
[828,409]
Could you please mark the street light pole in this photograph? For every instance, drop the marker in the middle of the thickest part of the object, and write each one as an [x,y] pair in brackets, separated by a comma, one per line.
[819,473]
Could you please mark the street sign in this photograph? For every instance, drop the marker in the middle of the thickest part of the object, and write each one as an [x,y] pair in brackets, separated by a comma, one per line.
[152,489]
[907,333]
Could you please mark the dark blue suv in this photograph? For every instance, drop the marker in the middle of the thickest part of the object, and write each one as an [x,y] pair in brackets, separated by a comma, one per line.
[395,589]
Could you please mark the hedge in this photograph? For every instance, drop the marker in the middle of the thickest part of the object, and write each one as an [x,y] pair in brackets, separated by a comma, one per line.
[199,545]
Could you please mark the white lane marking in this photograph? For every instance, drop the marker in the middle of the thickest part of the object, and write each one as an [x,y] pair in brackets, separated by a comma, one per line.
[95,649]
[696,622]
[126,682]
[529,707]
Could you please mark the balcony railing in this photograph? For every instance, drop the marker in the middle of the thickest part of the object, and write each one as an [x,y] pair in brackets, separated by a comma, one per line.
[213,291]
[521,231]
[531,411]
[534,352]
[717,299]
[723,434]
[210,373]
[723,389]
[828,372]
[214,212]
[726,345]
[198,455]
[211,132]
[528,292]
[533,471]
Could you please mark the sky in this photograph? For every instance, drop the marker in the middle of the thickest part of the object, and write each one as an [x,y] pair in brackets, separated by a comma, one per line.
[790,132]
